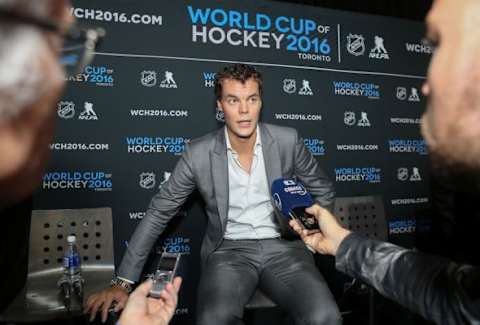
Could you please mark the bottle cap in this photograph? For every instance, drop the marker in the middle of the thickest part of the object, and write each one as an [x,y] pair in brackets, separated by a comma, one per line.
[71,239]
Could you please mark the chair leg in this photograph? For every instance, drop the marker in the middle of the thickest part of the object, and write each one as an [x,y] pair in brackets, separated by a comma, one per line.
[371,306]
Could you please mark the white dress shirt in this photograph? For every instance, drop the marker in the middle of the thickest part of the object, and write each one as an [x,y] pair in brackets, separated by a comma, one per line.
[250,212]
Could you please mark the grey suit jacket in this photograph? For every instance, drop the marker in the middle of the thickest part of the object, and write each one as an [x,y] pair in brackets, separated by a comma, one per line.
[203,166]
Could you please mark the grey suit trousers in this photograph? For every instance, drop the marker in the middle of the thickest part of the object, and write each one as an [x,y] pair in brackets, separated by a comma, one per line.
[284,270]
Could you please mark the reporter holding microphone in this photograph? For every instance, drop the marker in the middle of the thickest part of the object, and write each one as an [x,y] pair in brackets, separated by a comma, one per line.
[437,289]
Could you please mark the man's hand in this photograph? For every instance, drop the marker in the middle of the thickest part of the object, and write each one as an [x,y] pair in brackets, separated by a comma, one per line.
[331,234]
[104,300]
[150,311]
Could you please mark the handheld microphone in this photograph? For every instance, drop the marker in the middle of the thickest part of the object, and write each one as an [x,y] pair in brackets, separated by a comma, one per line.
[291,198]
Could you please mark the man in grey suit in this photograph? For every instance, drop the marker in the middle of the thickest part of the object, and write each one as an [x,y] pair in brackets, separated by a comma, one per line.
[246,244]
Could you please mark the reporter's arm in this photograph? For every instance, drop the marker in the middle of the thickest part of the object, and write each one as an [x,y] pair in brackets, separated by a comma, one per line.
[439,290]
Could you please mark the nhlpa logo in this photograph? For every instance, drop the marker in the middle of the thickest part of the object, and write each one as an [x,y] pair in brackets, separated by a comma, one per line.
[363,120]
[88,112]
[356,44]
[415,177]
[147,180]
[166,176]
[66,110]
[148,78]
[414,95]
[289,86]
[306,90]
[379,51]
[168,81]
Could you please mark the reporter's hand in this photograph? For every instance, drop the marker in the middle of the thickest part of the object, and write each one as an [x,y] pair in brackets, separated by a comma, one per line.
[103,300]
[331,234]
[141,309]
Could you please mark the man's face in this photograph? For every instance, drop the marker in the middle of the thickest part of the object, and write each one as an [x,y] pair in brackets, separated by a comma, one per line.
[451,124]
[241,104]
[24,138]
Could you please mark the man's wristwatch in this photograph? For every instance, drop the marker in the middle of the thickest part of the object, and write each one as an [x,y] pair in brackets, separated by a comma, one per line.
[116,281]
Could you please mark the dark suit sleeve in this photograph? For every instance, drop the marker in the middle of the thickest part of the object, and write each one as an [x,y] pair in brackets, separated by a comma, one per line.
[439,290]
[309,173]
[163,206]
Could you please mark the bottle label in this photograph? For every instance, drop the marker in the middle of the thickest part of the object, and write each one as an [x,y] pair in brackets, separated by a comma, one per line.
[71,261]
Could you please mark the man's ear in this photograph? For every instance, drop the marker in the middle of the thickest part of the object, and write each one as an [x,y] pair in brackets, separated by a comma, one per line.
[219,105]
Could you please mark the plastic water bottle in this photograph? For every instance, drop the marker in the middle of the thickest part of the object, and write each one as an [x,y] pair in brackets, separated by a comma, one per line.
[71,282]
[71,259]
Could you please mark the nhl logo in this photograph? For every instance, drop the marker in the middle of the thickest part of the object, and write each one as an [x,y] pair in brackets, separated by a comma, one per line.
[148,78]
[289,86]
[147,180]
[349,118]
[66,110]
[355,44]
[401,93]
[220,116]
[402,174]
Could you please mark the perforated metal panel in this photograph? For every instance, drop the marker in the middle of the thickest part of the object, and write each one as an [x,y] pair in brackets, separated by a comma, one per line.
[42,299]
[50,228]
[362,214]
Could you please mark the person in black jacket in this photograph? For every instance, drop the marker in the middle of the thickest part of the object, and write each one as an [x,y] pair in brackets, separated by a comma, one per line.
[455,216]
[440,290]
[436,288]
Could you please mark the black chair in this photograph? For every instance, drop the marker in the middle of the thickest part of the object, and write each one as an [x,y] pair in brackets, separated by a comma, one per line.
[364,215]
[260,310]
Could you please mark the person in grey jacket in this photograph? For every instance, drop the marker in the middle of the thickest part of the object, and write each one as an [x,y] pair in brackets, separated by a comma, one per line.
[438,289]
[246,244]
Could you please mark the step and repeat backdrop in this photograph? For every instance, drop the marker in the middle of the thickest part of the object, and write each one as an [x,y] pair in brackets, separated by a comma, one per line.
[349,83]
